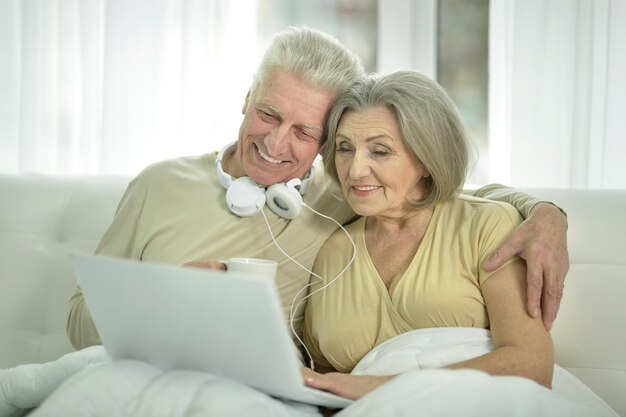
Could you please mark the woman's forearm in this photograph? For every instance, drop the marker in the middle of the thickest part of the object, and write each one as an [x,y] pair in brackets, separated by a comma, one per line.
[536,364]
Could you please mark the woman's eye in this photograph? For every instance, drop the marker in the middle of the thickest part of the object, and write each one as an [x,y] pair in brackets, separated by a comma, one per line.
[342,147]
[381,151]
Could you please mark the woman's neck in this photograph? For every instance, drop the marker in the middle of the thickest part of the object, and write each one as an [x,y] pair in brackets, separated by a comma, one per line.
[393,242]
[414,223]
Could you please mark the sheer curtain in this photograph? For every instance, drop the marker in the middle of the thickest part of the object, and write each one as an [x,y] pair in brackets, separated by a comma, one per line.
[109,86]
[558,93]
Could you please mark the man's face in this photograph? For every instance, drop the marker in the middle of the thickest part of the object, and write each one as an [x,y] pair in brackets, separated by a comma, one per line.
[281,133]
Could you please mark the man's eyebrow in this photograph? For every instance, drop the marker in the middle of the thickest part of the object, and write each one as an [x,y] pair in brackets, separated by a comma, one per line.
[278,113]
[314,127]
[269,106]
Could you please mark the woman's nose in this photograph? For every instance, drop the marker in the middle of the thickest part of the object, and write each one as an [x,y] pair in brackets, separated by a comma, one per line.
[360,166]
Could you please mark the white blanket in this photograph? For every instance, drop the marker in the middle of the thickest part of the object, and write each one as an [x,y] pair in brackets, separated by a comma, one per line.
[87,383]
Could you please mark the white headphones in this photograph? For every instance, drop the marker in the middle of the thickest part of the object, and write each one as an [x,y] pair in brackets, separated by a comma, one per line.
[245,198]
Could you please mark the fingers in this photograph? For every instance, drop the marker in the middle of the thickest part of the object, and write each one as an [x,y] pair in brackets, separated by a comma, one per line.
[562,270]
[308,373]
[534,287]
[205,265]
[549,300]
[554,270]
[511,247]
[332,382]
[319,381]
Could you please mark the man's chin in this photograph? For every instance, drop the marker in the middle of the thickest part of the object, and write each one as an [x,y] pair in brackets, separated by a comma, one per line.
[265,180]
[266,177]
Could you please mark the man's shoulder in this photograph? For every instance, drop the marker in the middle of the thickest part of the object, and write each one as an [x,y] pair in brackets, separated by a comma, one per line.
[175,169]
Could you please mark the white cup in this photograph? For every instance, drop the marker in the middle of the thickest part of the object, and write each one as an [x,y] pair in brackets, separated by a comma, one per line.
[264,268]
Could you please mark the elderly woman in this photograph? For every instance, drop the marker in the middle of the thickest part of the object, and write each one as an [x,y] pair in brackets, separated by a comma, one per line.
[399,151]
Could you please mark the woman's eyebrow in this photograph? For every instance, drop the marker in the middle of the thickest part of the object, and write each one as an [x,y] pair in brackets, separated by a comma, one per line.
[368,139]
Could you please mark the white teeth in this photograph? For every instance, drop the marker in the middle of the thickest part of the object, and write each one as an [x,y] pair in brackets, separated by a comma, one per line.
[365,188]
[268,158]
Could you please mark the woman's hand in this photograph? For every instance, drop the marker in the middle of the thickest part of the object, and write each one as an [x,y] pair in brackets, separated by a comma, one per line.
[542,241]
[348,386]
[205,265]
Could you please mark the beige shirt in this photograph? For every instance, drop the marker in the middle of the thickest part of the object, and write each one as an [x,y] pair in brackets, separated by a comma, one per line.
[440,288]
[175,212]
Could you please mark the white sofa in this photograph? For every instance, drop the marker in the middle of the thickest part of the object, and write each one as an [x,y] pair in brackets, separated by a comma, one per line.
[43,219]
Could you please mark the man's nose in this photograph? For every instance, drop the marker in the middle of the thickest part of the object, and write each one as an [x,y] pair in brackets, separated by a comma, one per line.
[277,140]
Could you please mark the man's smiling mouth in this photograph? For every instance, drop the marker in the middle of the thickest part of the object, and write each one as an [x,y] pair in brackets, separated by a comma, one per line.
[267,157]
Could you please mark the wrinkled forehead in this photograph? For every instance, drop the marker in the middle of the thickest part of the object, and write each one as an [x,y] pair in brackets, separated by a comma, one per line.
[285,94]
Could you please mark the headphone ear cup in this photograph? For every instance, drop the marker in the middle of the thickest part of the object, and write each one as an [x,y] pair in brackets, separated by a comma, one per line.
[284,199]
[244,197]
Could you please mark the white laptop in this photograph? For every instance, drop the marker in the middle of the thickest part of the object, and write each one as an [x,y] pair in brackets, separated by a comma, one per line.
[188,318]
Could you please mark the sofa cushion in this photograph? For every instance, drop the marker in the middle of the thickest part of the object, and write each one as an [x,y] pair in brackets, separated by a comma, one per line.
[42,220]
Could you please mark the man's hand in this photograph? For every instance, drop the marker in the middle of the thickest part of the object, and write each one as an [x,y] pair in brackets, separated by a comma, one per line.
[542,241]
[348,386]
[205,265]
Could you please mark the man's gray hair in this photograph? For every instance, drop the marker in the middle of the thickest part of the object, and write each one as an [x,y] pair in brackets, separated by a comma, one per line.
[320,60]
[429,123]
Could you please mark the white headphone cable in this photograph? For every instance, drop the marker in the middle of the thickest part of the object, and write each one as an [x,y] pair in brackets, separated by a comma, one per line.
[294,306]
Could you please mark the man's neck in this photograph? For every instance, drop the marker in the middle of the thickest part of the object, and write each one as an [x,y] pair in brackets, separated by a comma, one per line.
[231,163]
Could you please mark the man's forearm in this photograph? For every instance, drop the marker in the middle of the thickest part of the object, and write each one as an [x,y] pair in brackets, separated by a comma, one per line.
[524,203]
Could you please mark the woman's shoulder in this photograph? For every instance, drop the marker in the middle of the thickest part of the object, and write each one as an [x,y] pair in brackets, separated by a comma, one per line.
[484,208]
[476,214]
[339,239]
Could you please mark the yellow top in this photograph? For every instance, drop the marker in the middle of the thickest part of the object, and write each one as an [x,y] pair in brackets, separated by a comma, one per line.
[440,288]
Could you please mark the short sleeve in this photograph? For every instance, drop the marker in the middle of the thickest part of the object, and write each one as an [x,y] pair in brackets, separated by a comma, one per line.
[499,221]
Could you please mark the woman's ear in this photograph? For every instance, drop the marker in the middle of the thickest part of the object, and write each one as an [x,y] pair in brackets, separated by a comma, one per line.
[245,103]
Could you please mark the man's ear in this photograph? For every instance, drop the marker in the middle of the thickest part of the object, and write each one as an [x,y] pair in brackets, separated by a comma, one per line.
[245,103]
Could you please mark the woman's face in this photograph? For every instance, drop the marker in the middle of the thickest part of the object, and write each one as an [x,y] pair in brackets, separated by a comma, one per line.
[379,175]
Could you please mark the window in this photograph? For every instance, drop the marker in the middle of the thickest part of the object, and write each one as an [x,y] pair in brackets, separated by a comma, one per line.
[352,22]
[462,69]
[445,39]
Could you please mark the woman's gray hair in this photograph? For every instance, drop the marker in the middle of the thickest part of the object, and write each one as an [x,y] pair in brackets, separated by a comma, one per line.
[320,60]
[428,121]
